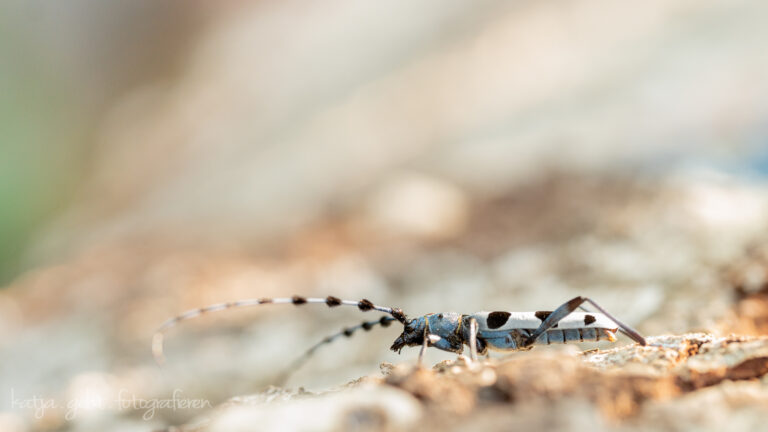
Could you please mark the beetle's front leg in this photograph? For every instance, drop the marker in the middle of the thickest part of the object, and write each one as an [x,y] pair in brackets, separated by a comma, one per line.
[425,343]
[450,344]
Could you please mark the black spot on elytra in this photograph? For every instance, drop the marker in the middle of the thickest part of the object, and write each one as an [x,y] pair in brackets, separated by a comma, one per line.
[497,319]
[589,319]
[365,305]
[332,301]
[542,315]
[297,300]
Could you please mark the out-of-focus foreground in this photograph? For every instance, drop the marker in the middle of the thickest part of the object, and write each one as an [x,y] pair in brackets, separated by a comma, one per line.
[444,156]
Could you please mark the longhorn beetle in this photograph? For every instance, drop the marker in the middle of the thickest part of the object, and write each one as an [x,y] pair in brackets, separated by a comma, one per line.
[450,331]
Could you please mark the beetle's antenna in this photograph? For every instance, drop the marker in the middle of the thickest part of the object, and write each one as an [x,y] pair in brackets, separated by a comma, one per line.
[364,305]
[384,321]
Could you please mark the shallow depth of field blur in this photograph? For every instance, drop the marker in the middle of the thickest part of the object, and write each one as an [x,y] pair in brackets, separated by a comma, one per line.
[157,156]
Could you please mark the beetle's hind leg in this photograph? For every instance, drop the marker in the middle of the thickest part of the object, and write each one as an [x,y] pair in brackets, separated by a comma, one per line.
[570,306]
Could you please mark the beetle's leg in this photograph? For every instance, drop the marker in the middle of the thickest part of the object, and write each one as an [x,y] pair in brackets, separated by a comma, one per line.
[426,341]
[624,332]
[570,306]
[473,339]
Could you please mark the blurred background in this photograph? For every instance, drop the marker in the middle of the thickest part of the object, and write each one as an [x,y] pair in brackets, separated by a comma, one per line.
[157,156]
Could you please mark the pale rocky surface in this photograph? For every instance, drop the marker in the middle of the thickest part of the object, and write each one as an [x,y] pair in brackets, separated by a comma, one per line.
[648,251]
[687,382]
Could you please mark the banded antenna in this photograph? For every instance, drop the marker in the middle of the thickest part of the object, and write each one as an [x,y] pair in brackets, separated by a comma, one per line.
[364,305]
[384,321]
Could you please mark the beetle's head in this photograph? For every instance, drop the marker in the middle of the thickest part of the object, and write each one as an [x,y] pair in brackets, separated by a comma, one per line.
[443,325]
[413,334]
